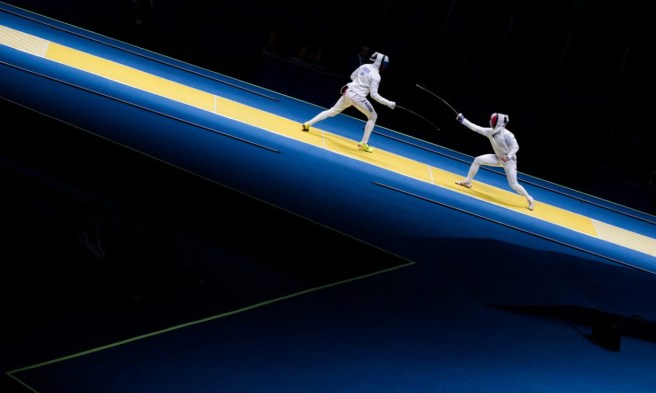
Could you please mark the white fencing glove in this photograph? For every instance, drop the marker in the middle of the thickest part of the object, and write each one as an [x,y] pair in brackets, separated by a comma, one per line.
[460,118]
[392,105]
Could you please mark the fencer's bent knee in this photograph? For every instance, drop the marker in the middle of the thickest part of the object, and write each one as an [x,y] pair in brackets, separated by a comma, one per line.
[373,116]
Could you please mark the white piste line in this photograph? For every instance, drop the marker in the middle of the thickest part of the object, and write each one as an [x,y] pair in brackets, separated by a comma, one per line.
[430,174]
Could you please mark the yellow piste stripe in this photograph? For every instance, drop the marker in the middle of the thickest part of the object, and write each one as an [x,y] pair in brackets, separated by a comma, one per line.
[626,238]
[23,42]
[401,165]
[131,77]
[317,137]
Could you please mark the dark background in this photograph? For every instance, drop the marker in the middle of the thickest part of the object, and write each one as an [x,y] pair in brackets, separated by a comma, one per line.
[574,76]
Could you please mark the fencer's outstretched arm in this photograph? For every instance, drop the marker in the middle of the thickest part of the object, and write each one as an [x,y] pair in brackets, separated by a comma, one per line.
[373,92]
[476,128]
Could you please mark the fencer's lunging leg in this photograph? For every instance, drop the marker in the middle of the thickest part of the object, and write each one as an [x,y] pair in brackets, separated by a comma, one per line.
[365,107]
[323,116]
[485,159]
[473,170]
[368,128]
[339,107]
[511,174]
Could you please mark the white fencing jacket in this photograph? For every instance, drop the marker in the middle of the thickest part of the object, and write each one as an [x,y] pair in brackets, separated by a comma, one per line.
[503,141]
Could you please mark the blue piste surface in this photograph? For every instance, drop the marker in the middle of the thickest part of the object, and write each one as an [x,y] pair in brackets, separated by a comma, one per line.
[482,300]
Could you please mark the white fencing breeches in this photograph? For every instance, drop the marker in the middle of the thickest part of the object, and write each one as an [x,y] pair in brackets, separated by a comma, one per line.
[360,103]
[510,167]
